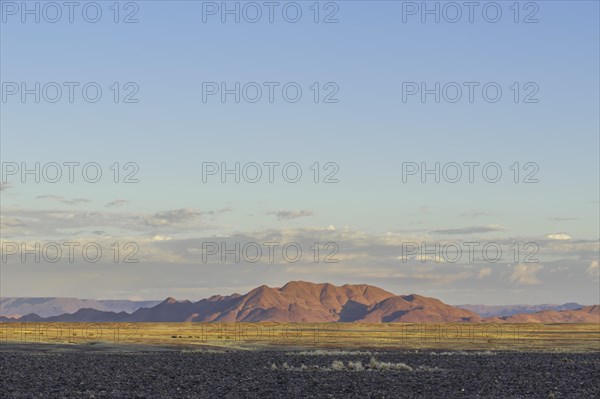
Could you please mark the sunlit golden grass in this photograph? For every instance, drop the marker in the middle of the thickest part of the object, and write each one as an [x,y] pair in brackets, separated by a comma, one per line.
[438,336]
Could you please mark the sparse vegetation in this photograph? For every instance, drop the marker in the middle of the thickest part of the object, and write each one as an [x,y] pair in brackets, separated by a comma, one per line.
[355,366]
[463,353]
[205,351]
[374,364]
[339,365]
[332,353]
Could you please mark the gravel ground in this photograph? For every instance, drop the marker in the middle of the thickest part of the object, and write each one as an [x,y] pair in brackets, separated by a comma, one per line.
[101,373]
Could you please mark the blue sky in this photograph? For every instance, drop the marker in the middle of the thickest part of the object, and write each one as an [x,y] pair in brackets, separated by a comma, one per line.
[368,134]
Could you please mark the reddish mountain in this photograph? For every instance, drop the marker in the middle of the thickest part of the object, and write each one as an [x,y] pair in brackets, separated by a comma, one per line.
[509,310]
[586,314]
[593,309]
[417,309]
[297,301]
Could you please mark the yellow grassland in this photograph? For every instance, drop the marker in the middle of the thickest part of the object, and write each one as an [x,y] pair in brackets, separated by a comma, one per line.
[438,336]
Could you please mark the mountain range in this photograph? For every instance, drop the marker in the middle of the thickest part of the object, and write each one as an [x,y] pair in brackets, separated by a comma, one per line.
[509,310]
[297,301]
[52,306]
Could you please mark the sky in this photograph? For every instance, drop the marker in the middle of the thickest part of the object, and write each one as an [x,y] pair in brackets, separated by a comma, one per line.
[359,100]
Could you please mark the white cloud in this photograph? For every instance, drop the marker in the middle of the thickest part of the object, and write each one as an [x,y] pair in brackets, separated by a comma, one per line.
[559,236]
[593,269]
[525,274]
[486,271]
[470,230]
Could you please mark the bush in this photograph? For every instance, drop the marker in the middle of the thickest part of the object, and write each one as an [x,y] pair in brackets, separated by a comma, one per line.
[375,364]
[355,366]
[337,365]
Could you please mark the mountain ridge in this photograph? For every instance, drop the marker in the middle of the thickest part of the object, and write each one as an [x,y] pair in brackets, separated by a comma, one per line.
[509,310]
[301,301]
[55,306]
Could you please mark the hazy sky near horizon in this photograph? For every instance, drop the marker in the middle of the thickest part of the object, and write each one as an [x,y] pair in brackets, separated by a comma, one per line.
[362,133]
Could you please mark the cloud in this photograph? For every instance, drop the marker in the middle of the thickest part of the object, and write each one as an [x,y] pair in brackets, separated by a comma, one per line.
[224,210]
[189,228]
[561,219]
[289,215]
[117,203]
[525,273]
[593,269]
[74,201]
[559,236]
[173,217]
[8,222]
[470,230]
[416,275]
[161,238]
[40,223]
[362,256]
[484,272]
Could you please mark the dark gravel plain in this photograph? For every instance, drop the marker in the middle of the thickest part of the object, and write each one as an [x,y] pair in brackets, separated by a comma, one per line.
[36,372]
